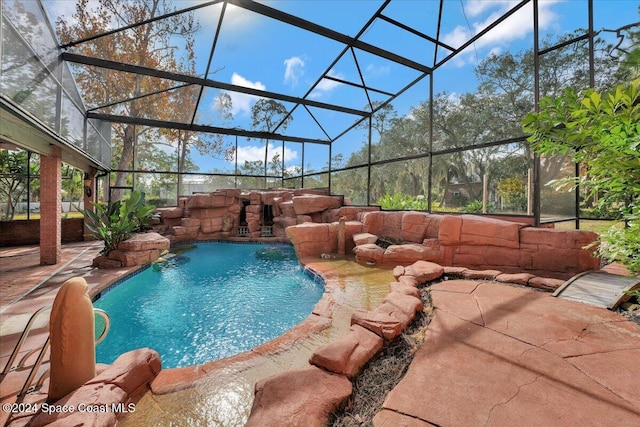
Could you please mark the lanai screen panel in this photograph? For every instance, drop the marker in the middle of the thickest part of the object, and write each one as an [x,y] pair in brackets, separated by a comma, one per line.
[329,65]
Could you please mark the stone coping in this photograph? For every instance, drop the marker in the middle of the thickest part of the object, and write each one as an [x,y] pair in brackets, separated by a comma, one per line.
[170,380]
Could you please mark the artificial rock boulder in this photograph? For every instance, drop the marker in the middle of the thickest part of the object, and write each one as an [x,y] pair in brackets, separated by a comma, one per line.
[348,354]
[141,249]
[480,244]
[311,203]
[304,397]
[117,386]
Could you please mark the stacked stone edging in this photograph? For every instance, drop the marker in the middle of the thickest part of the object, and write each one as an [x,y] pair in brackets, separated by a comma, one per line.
[313,395]
[141,249]
[475,242]
[320,389]
[310,218]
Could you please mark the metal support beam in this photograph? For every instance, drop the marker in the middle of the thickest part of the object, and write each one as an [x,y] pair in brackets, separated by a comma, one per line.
[201,128]
[328,33]
[145,71]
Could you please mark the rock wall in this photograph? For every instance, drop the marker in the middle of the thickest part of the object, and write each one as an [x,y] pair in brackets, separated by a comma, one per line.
[235,213]
[476,242]
[309,220]
[141,249]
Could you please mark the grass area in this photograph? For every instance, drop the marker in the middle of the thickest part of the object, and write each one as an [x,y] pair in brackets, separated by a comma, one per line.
[36,215]
[595,225]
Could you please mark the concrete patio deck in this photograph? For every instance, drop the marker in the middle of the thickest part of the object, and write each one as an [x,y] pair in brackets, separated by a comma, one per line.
[509,356]
[494,354]
[25,287]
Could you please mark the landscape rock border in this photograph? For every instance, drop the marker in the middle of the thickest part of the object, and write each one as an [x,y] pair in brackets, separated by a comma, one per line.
[370,331]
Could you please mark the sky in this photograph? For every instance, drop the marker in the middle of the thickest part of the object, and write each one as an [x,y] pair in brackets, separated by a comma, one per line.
[257,52]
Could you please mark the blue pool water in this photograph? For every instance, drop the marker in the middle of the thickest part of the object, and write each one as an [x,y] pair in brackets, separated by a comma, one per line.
[210,302]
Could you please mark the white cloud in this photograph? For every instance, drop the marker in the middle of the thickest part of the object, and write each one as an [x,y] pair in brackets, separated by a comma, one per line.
[242,102]
[516,27]
[378,71]
[457,37]
[236,19]
[477,7]
[294,69]
[238,80]
[547,17]
[325,85]
[252,153]
[495,51]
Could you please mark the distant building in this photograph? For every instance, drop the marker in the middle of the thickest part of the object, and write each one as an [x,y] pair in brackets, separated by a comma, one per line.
[458,195]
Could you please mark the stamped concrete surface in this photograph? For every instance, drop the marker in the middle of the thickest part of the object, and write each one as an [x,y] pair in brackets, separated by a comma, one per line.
[503,355]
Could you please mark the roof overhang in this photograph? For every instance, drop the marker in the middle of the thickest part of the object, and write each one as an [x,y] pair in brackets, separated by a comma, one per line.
[18,128]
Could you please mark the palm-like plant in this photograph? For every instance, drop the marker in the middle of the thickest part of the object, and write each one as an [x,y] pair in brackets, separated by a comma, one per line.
[119,221]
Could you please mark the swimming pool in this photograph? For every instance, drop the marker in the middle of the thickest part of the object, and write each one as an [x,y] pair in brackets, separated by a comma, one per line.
[209,302]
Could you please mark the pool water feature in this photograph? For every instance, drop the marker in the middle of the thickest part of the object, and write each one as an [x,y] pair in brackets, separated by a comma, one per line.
[207,303]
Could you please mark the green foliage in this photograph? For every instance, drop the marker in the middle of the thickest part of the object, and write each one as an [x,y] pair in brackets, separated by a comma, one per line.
[14,169]
[601,131]
[476,207]
[399,201]
[266,114]
[510,189]
[437,207]
[623,244]
[118,222]
[635,293]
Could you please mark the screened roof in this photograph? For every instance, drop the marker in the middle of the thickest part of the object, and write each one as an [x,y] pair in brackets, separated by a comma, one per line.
[328,63]
[319,68]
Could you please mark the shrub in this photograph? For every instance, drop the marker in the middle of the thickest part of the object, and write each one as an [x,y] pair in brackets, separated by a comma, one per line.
[118,222]
[601,131]
[400,201]
[512,191]
[476,207]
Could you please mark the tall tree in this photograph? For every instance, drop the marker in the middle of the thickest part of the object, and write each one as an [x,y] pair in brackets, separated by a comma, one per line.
[251,167]
[269,115]
[166,44]
[627,52]
[13,180]
[492,113]
[212,145]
